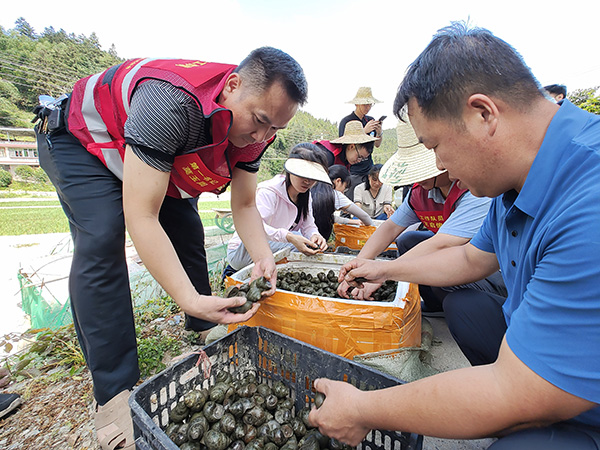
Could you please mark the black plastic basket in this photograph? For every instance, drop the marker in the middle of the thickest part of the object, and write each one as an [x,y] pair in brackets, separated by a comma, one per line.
[273,356]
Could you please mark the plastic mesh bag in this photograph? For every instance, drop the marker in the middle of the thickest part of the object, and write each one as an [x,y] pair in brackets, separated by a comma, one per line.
[408,364]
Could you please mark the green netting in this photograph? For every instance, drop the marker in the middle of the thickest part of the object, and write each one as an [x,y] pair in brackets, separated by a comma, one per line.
[217,259]
[45,311]
[42,313]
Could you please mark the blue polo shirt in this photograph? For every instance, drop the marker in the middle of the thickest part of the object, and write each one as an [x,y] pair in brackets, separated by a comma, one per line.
[547,241]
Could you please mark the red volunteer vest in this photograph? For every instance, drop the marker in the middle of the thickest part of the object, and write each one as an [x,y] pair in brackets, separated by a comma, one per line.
[336,149]
[99,107]
[430,213]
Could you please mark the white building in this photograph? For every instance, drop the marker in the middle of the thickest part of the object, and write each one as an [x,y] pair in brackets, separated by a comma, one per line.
[13,152]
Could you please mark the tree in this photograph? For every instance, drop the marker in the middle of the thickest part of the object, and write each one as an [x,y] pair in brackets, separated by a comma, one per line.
[5,178]
[586,99]
[23,28]
[47,64]
[592,105]
[112,51]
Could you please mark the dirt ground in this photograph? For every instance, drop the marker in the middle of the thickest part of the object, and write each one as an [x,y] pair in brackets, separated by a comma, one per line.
[57,411]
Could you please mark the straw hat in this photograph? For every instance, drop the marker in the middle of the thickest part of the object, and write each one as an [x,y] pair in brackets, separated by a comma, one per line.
[413,162]
[307,169]
[364,96]
[354,133]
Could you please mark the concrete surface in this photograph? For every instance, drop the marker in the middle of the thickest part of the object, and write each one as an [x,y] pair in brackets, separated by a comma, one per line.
[447,356]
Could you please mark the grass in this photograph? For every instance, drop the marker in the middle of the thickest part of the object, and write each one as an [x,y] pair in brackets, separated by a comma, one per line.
[207,206]
[16,222]
[29,203]
[39,219]
[25,189]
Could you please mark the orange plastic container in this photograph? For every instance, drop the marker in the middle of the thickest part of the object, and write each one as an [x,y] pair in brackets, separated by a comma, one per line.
[354,237]
[343,327]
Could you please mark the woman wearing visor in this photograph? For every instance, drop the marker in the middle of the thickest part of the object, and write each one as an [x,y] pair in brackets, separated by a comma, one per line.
[284,204]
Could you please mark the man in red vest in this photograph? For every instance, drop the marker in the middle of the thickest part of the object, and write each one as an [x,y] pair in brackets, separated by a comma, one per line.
[135,145]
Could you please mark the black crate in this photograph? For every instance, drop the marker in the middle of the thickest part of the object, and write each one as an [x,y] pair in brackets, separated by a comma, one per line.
[273,356]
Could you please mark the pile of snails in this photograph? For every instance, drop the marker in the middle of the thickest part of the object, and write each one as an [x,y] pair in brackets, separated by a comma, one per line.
[325,285]
[244,414]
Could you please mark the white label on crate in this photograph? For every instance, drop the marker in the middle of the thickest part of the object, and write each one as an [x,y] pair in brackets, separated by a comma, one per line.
[401,292]
[189,375]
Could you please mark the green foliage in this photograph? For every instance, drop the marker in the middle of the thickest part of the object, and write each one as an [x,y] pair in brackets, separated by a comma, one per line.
[5,178]
[49,63]
[10,114]
[152,344]
[389,145]
[40,176]
[579,96]
[592,105]
[302,128]
[9,91]
[32,175]
[59,351]
[23,28]
[152,350]
[25,173]
[46,349]
[586,99]
[155,308]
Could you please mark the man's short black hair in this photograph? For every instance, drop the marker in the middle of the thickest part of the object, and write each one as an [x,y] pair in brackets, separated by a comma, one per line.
[267,65]
[557,89]
[460,62]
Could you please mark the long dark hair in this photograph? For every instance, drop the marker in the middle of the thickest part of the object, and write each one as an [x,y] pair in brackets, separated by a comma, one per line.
[308,152]
[323,200]
[374,171]
[338,171]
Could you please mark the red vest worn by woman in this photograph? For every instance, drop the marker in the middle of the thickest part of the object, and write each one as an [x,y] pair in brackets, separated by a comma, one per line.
[99,107]
[336,149]
[430,213]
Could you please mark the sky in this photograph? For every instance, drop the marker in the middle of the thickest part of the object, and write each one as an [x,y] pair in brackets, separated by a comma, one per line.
[341,45]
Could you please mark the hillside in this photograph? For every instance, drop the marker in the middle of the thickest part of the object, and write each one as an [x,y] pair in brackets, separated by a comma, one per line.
[50,63]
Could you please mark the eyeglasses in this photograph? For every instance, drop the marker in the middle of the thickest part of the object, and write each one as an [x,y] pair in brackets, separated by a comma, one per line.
[360,157]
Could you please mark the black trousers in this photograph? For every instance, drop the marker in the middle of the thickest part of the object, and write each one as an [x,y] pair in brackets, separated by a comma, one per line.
[91,197]
[473,311]
[559,436]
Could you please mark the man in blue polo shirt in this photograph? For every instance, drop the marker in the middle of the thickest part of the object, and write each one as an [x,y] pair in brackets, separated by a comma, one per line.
[474,102]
